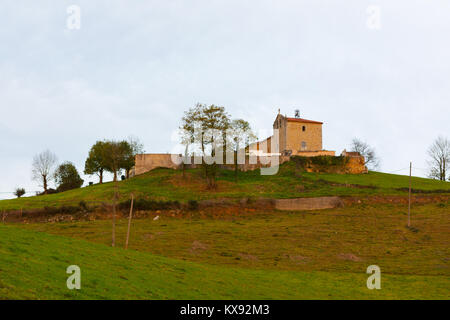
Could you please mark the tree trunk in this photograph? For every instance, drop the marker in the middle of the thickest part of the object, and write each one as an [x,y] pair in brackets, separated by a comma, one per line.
[128,174]
[44,178]
[235,166]
[203,160]
[184,160]
[443,170]
[115,176]
[101,176]
[214,185]
[213,166]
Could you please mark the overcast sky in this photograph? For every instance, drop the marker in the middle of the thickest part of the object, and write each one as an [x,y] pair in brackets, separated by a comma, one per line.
[134,66]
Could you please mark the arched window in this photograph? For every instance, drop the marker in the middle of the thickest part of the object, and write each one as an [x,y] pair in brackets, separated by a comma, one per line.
[304,128]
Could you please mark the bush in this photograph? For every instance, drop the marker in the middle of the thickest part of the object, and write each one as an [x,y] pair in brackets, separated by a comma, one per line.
[50,210]
[63,209]
[83,205]
[325,163]
[19,192]
[69,209]
[49,191]
[142,204]
[67,177]
[192,204]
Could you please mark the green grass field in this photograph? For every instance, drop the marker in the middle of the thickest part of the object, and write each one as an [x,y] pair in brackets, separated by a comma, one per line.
[33,265]
[273,255]
[167,184]
[249,254]
[302,241]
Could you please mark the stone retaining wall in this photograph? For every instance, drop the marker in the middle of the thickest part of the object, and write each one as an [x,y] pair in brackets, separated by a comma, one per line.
[308,203]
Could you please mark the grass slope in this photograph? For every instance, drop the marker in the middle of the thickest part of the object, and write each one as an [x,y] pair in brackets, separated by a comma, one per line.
[167,184]
[33,264]
[338,240]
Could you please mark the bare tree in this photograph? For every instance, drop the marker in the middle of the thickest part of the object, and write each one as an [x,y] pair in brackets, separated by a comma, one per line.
[371,159]
[439,153]
[42,168]
[136,145]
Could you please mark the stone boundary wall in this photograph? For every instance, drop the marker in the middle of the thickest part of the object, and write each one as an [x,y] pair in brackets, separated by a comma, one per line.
[308,203]
[147,162]
[150,161]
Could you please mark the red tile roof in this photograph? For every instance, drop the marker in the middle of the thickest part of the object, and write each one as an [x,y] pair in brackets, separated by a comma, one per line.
[303,120]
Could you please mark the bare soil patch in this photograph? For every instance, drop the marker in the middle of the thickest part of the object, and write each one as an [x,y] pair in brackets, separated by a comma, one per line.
[349,257]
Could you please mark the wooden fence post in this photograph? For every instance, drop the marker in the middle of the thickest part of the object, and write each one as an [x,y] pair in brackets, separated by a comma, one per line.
[409,195]
[129,221]
[114,217]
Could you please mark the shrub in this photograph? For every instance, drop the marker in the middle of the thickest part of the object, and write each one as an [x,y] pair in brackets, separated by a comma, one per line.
[324,163]
[83,205]
[69,209]
[63,209]
[143,204]
[67,177]
[192,204]
[49,191]
[19,192]
[50,210]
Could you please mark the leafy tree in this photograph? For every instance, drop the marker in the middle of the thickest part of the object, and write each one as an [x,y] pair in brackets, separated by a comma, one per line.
[371,159]
[207,125]
[439,153]
[95,163]
[191,130]
[42,168]
[116,156]
[67,177]
[135,147]
[113,156]
[187,140]
[19,192]
[242,136]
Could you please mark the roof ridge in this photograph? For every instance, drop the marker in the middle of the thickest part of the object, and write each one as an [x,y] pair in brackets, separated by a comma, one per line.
[303,120]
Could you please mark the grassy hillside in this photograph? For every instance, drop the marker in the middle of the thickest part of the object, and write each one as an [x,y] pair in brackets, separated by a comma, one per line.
[338,240]
[33,264]
[167,184]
